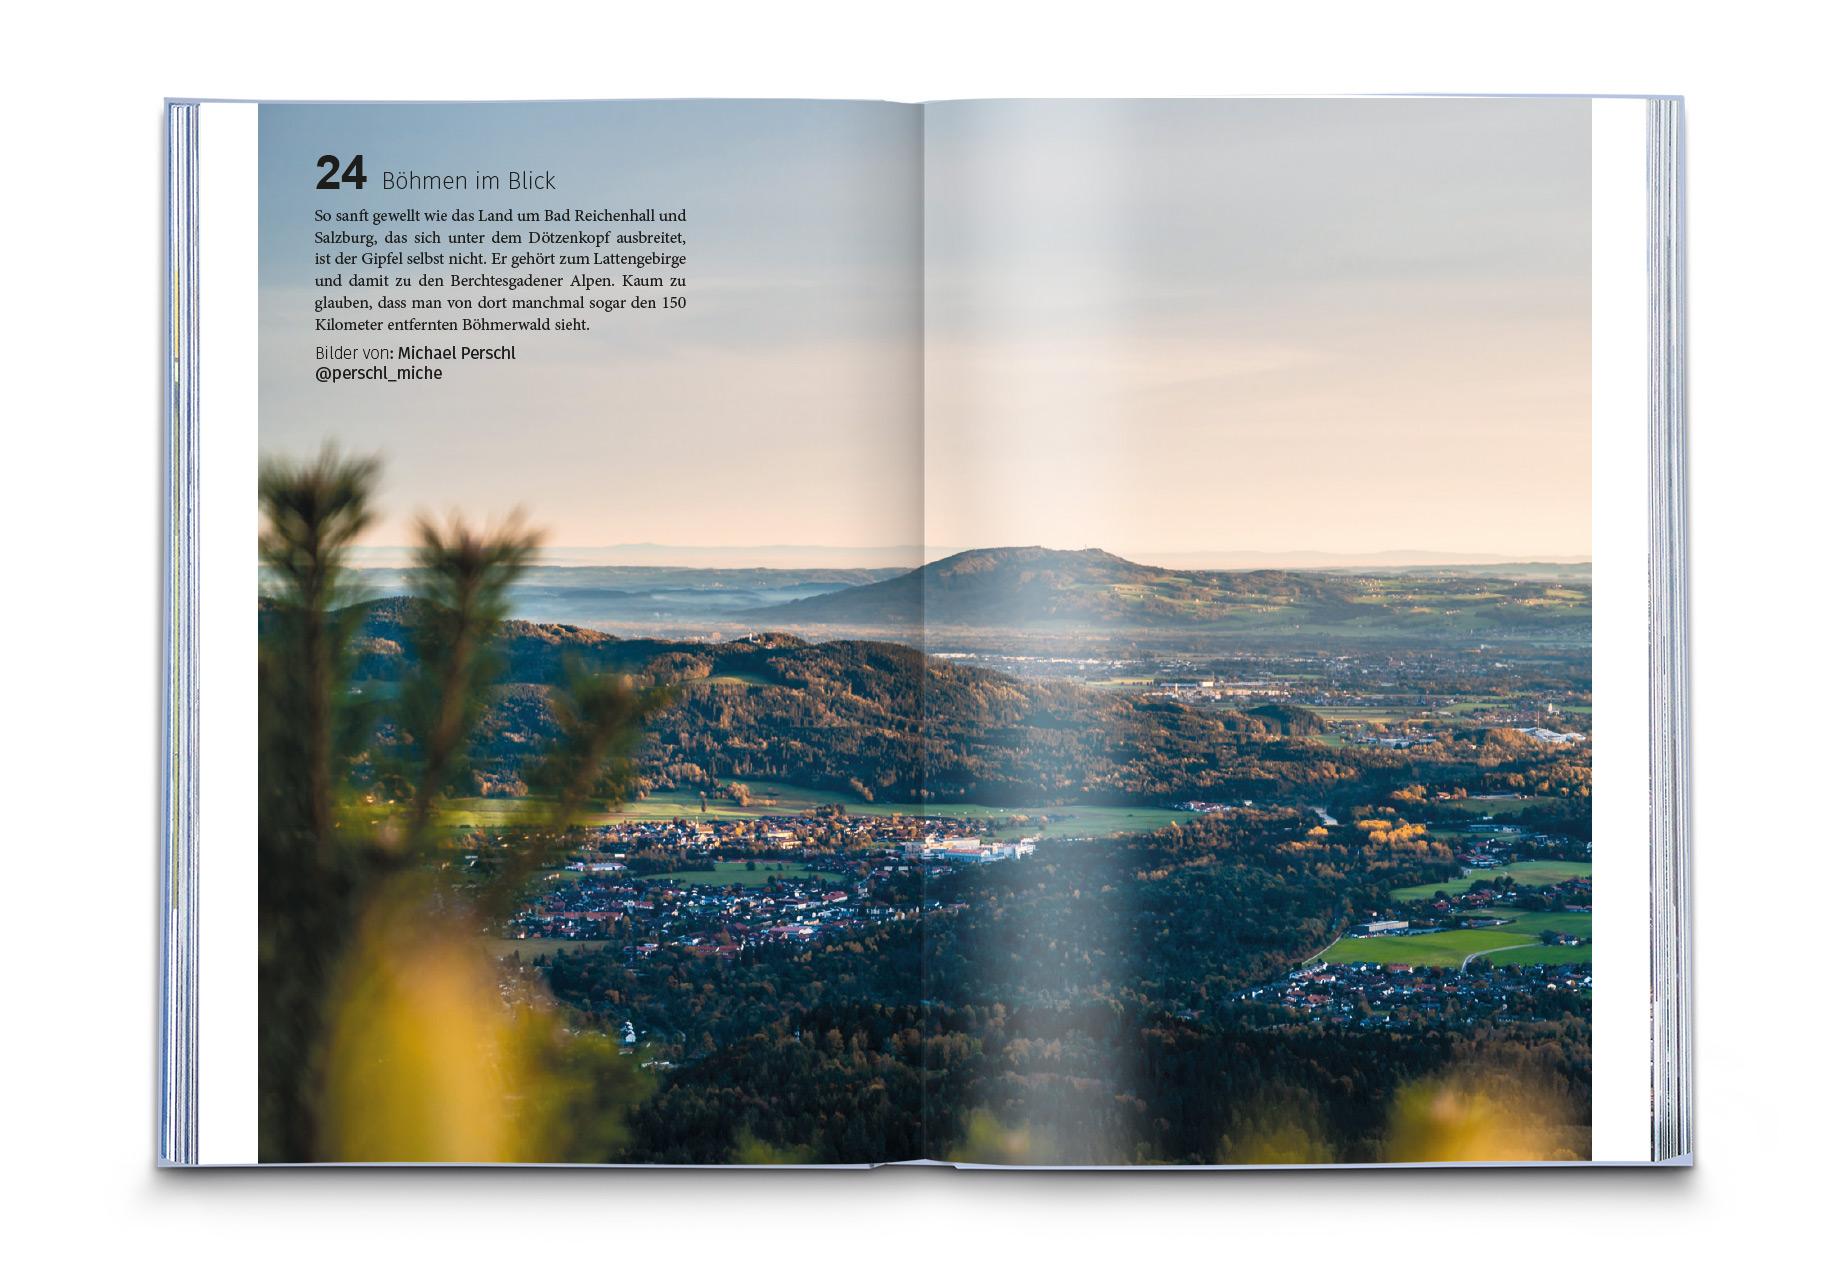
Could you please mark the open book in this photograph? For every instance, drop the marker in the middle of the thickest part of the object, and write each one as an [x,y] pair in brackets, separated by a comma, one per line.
[1072,633]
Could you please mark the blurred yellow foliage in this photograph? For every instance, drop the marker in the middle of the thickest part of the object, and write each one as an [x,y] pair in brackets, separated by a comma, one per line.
[989,1142]
[1478,1115]
[424,1056]
[432,1054]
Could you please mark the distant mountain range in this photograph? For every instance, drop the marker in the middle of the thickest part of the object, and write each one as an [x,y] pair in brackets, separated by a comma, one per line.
[1055,593]
[635,596]
[717,558]
[731,559]
[1015,587]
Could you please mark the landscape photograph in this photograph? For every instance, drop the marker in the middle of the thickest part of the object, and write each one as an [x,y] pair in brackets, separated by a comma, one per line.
[1146,725]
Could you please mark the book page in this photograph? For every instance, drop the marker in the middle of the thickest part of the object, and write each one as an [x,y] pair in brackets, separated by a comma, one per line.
[1259,495]
[567,851]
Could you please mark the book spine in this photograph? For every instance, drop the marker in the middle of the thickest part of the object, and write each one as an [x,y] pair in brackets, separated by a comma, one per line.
[1671,909]
[177,1143]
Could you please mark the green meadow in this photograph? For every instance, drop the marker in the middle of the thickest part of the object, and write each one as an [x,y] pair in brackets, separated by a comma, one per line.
[738,873]
[1051,821]
[1514,943]
[1446,949]
[1542,955]
[1580,924]
[1549,871]
[1059,821]
[1494,808]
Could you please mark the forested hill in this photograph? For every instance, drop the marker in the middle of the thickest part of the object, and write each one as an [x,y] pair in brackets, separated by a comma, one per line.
[878,720]
[1022,585]
[1019,587]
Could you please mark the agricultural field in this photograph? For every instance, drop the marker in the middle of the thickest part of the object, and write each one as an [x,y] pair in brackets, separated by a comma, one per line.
[1446,949]
[497,811]
[1515,943]
[1055,821]
[738,873]
[1052,821]
[1370,714]
[1580,924]
[1542,955]
[1495,807]
[765,799]
[1468,705]
[1548,871]
[485,811]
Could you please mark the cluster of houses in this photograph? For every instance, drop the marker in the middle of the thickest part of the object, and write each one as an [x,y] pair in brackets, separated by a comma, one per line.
[1210,808]
[1371,996]
[708,920]
[1216,690]
[606,849]
[1393,741]
[1553,737]
[824,831]
[1576,894]
[604,899]
[965,851]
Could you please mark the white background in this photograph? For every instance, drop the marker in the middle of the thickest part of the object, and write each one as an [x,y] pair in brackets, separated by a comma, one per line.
[81,518]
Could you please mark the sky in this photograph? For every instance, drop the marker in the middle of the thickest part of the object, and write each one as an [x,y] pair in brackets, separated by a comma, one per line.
[1216,332]
[1350,326]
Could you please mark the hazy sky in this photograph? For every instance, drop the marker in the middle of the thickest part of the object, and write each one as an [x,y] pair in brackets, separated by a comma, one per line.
[1342,325]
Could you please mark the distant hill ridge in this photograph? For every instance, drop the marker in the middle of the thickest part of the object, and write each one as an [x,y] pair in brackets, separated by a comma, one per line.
[1033,586]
